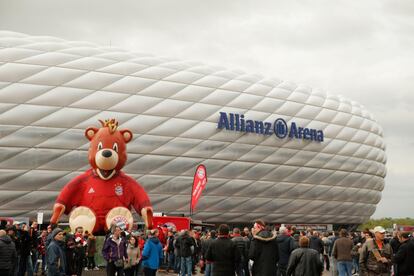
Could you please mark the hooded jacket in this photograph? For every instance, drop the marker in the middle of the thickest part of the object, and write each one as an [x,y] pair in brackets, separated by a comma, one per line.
[264,252]
[152,255]
[56,259]
[7,253]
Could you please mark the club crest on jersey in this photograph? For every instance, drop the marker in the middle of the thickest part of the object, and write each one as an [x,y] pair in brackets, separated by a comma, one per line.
[121,221]
[119,190]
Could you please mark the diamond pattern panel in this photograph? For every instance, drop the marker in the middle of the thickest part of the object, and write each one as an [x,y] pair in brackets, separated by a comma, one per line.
[51,90]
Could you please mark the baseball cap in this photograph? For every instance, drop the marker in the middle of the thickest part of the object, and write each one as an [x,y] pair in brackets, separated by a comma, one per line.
[379,229]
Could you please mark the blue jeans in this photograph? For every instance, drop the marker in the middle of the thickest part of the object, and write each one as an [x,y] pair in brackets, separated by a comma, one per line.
[186,266]
[344,268]
[177,264]
[171,258]
[209,269]
[25,264]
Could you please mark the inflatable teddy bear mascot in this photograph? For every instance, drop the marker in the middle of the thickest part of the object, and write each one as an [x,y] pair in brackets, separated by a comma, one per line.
[103,195]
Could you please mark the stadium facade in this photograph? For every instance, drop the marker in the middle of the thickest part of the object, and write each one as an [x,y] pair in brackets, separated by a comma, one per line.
[273,149]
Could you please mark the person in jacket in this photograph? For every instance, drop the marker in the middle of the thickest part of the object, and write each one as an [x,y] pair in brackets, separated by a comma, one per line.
[204,247]
[375,257]
[242,244]
[114,252]
[70,245]
[395,245]
[395,241]
[223,252]
[264,251]
[342,253]
[25,262]
[134,254]
[41,249]
[404,257]
[327,243]
[152,255]
[80,250]
[91,250]
[355,257]
[316,243]
[56,259]
[169,250]
[8,254]
[184,244]
[305,260]
[195,235]
[286,245]
[34,234]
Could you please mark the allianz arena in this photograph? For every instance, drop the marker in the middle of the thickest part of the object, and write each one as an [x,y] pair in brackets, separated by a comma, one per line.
[273,149]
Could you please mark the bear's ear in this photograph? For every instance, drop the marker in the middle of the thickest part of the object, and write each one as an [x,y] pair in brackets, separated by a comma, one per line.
[90,132]
[127,135]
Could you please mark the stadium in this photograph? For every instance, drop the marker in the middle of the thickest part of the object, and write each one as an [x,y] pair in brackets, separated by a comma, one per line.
[273,149]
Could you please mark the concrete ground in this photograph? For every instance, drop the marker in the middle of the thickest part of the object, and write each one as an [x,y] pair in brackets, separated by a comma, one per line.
[102,272]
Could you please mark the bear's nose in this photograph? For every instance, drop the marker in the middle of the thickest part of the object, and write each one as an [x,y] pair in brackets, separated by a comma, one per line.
[107,153]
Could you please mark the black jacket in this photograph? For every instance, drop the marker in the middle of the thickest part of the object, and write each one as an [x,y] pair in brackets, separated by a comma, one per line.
[264,252]
[316,243]
[286,246]
[25,243]
[170,244]
[7,253]
[395,244]
[243,247]
[205,244]
[305,262]
[225,256]
[405,258]
[184,244]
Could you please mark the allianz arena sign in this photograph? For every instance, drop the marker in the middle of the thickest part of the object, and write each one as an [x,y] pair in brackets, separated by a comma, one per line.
[237,122]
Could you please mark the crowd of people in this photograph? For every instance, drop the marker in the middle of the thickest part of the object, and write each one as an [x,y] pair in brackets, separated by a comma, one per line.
[258,251]
[28,250]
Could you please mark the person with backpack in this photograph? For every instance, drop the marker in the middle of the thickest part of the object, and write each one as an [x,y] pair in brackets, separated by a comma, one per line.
[242,246]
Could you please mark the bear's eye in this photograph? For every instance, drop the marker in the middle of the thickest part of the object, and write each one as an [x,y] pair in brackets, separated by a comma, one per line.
[115,147]
[100,146]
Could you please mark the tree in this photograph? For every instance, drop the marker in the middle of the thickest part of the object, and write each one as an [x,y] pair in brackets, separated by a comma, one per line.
[387,223]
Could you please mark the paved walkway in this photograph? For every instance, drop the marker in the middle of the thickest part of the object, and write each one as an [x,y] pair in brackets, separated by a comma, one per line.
[102,272]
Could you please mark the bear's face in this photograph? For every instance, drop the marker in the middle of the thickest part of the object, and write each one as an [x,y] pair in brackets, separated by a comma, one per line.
[107,150]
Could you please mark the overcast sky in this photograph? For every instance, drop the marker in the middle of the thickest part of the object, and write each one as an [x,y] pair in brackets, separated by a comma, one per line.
[362,50]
